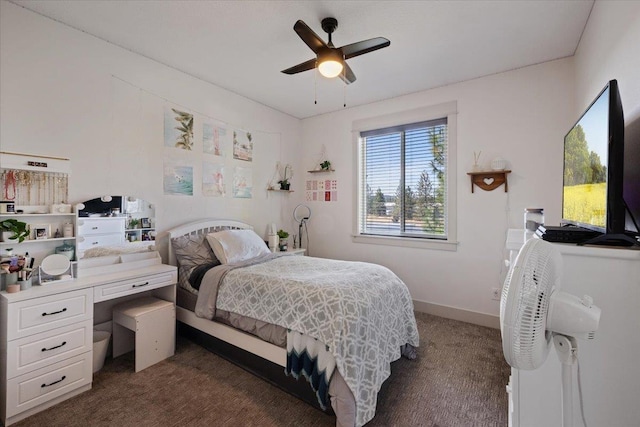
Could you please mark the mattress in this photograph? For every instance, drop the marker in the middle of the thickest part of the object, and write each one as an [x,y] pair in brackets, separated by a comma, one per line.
[273,334]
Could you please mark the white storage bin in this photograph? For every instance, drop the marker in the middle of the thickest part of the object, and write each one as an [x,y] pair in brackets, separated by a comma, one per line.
[100,346]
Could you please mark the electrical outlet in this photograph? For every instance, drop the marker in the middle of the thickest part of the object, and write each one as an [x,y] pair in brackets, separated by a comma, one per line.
[495,294]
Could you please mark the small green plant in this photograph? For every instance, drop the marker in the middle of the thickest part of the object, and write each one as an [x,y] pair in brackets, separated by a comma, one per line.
[283,234]
[19,229]
[326,165]
[133,222]
[284,184]
[286,174]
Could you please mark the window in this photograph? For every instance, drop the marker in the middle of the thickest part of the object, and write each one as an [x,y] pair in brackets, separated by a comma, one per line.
[404,180]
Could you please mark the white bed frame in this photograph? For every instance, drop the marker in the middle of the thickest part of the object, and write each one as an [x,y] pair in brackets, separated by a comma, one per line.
[223,332]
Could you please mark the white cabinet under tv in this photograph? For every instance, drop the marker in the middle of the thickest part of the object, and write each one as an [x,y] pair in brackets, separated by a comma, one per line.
[609,368]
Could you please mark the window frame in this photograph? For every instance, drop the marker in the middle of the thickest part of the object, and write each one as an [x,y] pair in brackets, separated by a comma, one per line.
[446,110]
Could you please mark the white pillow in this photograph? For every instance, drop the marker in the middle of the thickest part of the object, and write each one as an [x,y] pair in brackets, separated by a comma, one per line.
[232,246]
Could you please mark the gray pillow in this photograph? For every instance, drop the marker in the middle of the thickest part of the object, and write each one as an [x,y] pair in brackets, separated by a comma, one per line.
[191,251]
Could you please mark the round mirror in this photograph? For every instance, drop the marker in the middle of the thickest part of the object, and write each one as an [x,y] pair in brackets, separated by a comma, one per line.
[55,265]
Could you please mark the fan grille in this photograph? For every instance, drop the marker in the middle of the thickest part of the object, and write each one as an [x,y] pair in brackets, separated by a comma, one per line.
[525,302]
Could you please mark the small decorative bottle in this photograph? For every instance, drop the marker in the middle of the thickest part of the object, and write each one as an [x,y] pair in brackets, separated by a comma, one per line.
[67,230]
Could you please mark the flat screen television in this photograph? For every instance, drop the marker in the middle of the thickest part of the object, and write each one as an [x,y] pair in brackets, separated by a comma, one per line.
[593,174]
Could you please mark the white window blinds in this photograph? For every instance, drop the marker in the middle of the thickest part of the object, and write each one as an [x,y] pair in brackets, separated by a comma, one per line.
[402,180]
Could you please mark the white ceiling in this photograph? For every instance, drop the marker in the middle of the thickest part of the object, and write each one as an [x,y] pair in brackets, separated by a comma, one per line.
[243,45]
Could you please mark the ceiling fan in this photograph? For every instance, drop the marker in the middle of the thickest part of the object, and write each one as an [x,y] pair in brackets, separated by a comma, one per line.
[331,60]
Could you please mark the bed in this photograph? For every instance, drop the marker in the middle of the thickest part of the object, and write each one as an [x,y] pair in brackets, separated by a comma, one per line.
[352,319]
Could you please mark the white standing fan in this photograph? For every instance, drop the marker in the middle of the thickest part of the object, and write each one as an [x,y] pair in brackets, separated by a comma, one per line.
[533,313]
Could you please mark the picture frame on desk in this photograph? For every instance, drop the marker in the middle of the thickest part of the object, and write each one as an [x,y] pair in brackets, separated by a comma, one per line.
[145,223]
[41,231]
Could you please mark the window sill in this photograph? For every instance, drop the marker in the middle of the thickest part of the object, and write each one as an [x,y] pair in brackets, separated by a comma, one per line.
[407,242]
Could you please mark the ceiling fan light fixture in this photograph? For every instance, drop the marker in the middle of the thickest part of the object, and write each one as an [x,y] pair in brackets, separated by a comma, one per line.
[330,64]
[330,68]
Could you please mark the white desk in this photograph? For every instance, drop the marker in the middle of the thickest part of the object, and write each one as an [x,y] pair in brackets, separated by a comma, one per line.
[46,337]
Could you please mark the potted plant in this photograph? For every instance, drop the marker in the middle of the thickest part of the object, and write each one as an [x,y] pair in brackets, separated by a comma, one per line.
[284,184]
[325,166]
[283,235]
[285,175]
[20,230]
[133,223]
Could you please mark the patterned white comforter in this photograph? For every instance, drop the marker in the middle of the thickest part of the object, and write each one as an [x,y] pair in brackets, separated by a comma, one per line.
[363,312]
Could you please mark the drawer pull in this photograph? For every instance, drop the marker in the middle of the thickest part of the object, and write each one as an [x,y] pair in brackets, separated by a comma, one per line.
[94,228]
[141,285]
[55,382]
[53,348]
[55,312]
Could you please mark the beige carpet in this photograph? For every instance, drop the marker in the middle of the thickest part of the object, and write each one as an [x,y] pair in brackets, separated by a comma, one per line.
[458,379]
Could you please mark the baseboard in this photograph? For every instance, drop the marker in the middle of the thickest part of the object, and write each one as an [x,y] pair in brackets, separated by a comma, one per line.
[460,314]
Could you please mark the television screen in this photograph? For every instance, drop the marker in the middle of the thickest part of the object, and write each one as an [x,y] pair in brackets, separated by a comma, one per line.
[584,194]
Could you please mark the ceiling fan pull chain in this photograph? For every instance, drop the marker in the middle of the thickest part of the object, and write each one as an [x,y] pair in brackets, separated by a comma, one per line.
[344,105]
[315,87]
[344,75]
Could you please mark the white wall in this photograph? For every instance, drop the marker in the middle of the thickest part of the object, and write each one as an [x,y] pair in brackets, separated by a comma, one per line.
[65,93]
[609,49]
[520,115]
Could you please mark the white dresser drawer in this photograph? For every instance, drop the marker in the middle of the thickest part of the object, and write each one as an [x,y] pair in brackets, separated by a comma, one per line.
[36,351]
[88,242]
[32,389]
[100,226]
[42,314]
[132,286]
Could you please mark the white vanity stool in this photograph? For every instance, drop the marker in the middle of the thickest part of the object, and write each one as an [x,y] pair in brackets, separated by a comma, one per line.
[147,324]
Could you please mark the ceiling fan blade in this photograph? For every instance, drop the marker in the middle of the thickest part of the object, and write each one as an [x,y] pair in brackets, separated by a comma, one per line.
[364,46]
[307,35]
[347,76]
[307,65]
